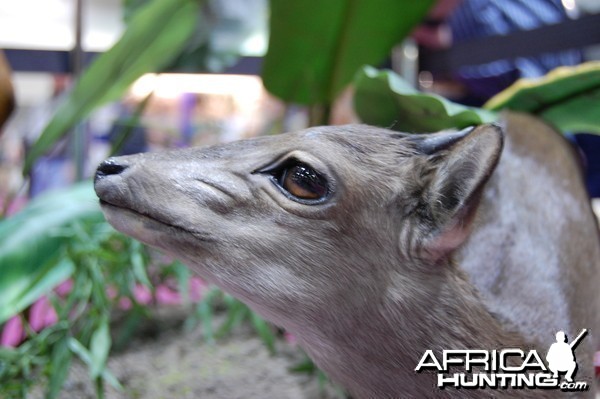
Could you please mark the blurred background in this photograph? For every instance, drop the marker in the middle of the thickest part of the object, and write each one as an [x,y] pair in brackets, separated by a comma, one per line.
[48,43]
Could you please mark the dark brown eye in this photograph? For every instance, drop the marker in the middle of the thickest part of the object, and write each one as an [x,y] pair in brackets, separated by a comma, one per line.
[303,182]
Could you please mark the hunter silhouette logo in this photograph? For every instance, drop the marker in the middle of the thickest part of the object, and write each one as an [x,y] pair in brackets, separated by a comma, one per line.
[561,356]
[507,368]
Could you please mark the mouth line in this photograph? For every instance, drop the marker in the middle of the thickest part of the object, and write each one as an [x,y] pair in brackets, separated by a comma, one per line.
[197,234]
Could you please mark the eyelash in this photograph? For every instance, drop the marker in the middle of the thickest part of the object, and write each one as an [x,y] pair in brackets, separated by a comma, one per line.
[300,182]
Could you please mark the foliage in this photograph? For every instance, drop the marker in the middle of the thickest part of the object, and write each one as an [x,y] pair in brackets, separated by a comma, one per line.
[98,255]
[567,97]
[383,98]
[31,242]
[316,47]
[218,36]
[236,313]
[18,367]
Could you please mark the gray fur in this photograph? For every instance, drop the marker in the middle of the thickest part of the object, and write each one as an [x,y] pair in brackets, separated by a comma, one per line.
[418,246]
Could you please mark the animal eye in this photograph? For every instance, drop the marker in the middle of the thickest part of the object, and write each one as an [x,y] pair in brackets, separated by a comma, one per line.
[301,181]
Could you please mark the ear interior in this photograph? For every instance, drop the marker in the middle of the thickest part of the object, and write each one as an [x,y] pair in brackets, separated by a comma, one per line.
[453,194]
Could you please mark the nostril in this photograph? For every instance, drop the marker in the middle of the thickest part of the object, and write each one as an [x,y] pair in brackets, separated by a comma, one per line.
[110,167]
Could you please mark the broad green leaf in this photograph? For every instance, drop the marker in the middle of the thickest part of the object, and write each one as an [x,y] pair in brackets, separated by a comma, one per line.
[154,37]
[382,98]
[30,242]
[316,47]
[567,97]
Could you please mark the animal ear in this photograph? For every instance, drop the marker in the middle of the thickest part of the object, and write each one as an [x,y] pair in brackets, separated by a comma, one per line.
[463,162]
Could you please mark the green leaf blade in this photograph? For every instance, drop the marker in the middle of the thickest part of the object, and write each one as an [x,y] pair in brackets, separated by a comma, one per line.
[264,331]
[61,363]
[99,348]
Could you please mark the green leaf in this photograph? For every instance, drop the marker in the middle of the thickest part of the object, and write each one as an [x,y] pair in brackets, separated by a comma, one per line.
[112,380]
[382,98]
[81,351]
[203,314]
[60,363]
[138,263]
[128,125]
[30,242]
[86,357]
[316,47]
[307,366]
[236,313]
[155,36]
[264,331]
[183,275]
[99,348]
[219,35]
[567,97]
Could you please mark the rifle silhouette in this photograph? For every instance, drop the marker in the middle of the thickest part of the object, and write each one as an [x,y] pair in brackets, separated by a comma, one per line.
[578,339]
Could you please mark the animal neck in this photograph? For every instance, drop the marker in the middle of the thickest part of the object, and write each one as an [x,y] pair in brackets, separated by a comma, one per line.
[374,351]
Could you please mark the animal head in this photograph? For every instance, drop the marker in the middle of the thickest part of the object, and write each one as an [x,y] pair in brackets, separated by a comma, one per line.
[304,224]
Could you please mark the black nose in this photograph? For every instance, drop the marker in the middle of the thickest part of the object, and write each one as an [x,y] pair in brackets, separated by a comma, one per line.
[111,166]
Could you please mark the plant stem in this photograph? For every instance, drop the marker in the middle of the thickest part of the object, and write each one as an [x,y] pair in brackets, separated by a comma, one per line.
[99,388]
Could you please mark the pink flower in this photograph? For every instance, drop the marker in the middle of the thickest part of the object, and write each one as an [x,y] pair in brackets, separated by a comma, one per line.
[42,314]
[13,333]
[111,292]
[142,294]
[167,296]
[64,288]
[124,303]
[290,338]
